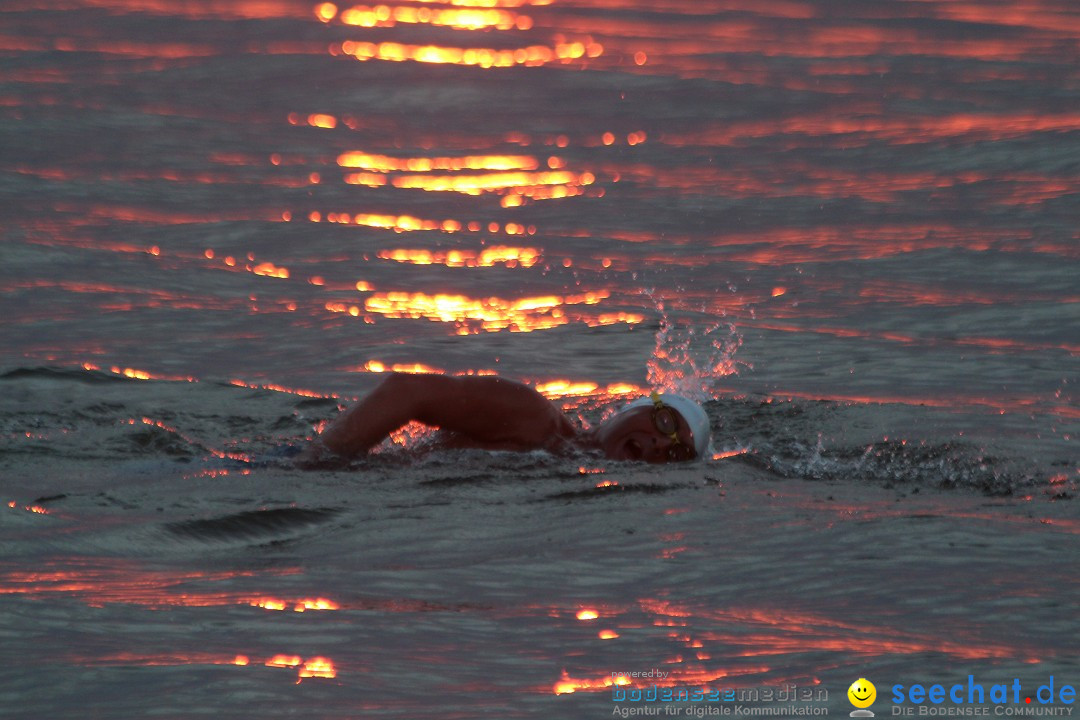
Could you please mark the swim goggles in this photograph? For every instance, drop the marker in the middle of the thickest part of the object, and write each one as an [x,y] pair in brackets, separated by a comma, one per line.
[666,422]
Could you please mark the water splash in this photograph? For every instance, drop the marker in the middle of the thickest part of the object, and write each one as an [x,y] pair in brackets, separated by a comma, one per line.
[690,356]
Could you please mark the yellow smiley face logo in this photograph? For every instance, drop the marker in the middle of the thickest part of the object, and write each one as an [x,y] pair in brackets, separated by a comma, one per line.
[862,693]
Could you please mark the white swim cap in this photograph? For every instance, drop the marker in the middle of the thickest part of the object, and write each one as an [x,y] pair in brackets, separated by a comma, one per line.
[692,414]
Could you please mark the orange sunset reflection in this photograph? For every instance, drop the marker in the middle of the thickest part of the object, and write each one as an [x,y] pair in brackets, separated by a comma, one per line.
[784,631]
[461,14]
[273,387]
[521,182]
[475,15]
[386,163]
[300,605]
[498,254]
[689,677]
[377,366]
[36,509]
[532,55]
[137,374]
[571,392]
[517,178]
[409,223]
[586,389]
[748,637]
[469,18]
[102,581]
[313,667]
[317,667]
[472,315]
[513,175]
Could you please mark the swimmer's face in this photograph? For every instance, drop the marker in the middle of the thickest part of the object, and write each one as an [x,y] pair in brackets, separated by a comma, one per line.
[862,693]
[632,435]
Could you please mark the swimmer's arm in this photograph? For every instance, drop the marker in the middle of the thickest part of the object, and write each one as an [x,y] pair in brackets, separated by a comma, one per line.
[486,408]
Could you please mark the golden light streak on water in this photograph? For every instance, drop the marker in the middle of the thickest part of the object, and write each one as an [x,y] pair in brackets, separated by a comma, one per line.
[284,661]
[313,667]
[730,453]
[377,366]
[409,223]
[136,374]
[191,441]
[270,270]
[492,313]
[35,509]
[490,3]
[516,196]
[366,179]
[268,604]
[301,605]
[615,319]
[510,256]
[386,163]
[383,16]
[487,314]
[563,388]
[517,177]
[489,182]
[316,604]
[531,56]
[568,388]
[322,121]
[474,15]
[689,677]
[98,582]
[567,684]
[340,307]
[317,667]
[398,223]
[282,389]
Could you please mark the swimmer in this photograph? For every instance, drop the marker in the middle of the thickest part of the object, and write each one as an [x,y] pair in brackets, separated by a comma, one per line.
[493,413]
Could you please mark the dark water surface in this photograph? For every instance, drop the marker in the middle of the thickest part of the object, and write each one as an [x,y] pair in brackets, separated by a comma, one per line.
[853,228]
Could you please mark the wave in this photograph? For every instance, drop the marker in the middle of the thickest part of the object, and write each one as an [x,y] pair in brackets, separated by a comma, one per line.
[252,524]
